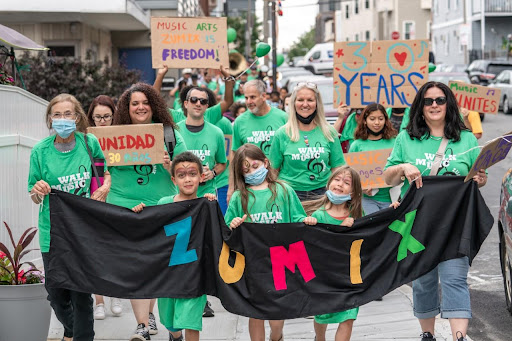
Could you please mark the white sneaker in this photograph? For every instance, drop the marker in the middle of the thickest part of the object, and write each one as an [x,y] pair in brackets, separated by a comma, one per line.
[115,306]
[99,312]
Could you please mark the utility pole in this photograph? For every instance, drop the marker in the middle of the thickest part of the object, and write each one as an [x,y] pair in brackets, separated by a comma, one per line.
[465,23]
[274,47]
[266,26]
[248,31]
[482,26]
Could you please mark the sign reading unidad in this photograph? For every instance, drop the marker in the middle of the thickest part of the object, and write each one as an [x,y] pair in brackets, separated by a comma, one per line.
[387,72]
[131,144]
[475,97]
[370,166]
[189,42]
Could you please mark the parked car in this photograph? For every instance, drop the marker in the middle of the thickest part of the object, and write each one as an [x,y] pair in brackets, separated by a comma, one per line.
[451,68]
[446,77]
[505,232]
[297,72]
[503,81]
[320,59]
[324,85]
[481,71]
[295,60]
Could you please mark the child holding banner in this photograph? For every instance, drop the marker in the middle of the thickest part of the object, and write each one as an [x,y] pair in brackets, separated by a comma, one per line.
[260,198]
[340,205]
[374,131]
[177,314]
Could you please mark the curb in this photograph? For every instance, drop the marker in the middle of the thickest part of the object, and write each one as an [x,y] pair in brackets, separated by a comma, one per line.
[442,325]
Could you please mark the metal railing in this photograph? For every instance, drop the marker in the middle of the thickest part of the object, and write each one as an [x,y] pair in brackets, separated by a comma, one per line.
[496,6]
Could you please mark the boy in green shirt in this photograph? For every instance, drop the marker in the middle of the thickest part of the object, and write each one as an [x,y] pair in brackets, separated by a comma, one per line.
[183,313]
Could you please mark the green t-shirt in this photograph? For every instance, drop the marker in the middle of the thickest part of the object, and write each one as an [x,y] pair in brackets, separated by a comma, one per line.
[132,185]
[306,168]
[177,102]
[421,153]
[368,145]
[286,208]
[69,172]
[405,119]
[258,130]
[212,115]
[225,125]
[209,146]
[166,200]
[348,130]
[323,217]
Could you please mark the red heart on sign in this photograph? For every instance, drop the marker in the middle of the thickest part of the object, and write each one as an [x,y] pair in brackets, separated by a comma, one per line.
[400,58]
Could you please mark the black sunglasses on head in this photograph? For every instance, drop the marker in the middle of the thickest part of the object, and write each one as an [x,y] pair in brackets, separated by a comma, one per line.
[438,100]
[203,101]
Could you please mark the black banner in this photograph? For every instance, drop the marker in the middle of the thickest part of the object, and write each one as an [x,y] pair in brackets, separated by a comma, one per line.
[279,271]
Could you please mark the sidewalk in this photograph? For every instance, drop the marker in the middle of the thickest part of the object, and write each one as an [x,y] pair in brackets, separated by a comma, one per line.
[389,319]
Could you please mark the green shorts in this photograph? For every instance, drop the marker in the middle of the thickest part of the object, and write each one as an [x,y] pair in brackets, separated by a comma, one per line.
[340,317]
[182,313]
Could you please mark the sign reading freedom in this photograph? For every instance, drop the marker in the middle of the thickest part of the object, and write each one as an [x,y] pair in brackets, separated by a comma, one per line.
[131,144]
[388,72]
[189,42]
[265,271]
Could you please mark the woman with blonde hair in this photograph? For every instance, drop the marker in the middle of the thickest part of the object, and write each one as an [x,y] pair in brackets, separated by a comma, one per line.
[306,149]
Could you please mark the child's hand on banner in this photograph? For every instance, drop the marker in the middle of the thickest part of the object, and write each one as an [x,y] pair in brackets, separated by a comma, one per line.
[310,221]
[210,196]
[139,208]
[237,222]
[348,222]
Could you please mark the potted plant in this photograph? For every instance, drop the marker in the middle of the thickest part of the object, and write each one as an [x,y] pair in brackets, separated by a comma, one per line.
[25,313]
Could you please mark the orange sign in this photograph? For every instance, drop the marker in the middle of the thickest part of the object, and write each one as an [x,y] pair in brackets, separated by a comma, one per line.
[475,97]
[370,166]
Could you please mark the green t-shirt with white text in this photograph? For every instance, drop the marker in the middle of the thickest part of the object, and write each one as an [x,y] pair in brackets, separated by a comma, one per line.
[258,130]
[209,146]
[368,145]
[286,208]
[65,171]
[421,153]
[302,167]
[225,125]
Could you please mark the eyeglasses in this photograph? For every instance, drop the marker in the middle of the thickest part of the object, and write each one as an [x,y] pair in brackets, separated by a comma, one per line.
[106,118]
[68,115]
[203,101]
[438,100]
[306,84]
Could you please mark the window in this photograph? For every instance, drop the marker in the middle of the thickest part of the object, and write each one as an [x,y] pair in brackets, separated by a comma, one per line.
[367,4]
[356,6]
[367,36]
[409,29]
[316,55]
[346,12]
[332,5]
[448,4]
[357,37]
[61,51]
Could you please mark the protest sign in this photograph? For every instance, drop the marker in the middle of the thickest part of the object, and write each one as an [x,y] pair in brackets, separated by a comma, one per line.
[131,144]
[388,72]
[475,97]
[370,166]
[189,42]
[228,140]
[491,154]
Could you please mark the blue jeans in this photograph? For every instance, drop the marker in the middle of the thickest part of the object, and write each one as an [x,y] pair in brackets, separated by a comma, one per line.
[371,206]
[455,301]
[222,198]
[73,309]
[311,195]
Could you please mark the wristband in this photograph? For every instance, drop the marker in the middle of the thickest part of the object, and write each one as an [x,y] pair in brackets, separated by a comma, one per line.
[214,173]
[229,78]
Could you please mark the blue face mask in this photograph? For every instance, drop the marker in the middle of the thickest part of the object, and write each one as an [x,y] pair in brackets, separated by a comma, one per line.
[257,177]
[337,199]
[64,127]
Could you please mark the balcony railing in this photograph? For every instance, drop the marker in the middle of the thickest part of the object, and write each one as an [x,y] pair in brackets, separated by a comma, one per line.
[493,6]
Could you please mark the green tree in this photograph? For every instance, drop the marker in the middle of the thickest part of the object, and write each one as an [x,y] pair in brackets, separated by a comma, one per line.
[303,45]
[47,77]
[240,25]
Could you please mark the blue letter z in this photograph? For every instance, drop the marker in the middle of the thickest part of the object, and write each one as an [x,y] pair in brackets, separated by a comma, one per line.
[179,254]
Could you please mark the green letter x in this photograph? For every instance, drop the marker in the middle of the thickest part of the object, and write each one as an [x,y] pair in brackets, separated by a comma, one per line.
[408,242]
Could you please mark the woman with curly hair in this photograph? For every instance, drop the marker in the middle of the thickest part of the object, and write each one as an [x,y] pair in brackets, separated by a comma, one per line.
[141,104]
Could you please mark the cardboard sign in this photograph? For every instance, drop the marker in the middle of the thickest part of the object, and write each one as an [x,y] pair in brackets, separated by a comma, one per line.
[131,144]
[228,140]
[475,97]
[189,42]
[388,72]
[370,166]
[491,154]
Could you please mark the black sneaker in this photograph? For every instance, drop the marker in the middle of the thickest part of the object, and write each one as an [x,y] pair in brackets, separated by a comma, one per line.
[460,337]
[208,311]
[171,338]
[141,333]
[426,336]
[153,330]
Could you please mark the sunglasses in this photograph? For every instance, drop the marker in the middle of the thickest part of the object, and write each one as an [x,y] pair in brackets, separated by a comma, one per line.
[306,84]
[438,100]
[203,101]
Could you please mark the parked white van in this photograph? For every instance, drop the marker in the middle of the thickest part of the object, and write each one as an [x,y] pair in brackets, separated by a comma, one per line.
[319,59]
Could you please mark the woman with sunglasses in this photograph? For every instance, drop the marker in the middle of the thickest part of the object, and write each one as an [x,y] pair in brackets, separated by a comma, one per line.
[141,104]
[307,148]
[435,117]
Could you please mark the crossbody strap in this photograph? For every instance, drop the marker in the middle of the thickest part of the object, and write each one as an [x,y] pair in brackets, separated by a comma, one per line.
[94,170]
[439,156]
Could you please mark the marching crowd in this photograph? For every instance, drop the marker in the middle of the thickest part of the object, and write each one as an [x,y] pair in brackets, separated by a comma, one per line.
[282,166]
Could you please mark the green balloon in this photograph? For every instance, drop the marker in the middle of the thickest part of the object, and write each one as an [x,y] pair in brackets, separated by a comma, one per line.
[431,67]
[279,59]
[231,35]
[262,50]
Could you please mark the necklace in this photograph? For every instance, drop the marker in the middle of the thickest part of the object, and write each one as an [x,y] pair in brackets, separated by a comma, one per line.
[435,138]
[306,140]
